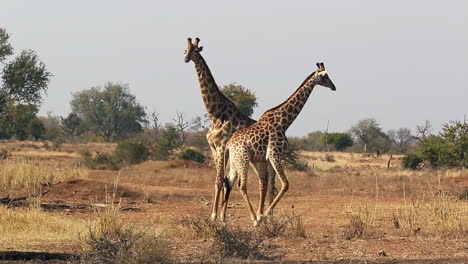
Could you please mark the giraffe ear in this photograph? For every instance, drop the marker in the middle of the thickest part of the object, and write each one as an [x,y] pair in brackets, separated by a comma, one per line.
[200,48]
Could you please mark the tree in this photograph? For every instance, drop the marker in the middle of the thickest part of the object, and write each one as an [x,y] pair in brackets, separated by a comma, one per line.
[71,125]
[168,140]
[402,138]
[369,133]
[53,126]
[423,130]
[339,141]
[37,129]
[181,125]
[110,112]
[244,99]
[449,148]
[24,80]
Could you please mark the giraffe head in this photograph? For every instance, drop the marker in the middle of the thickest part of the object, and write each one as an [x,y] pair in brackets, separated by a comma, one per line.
[192,52]
[322,78]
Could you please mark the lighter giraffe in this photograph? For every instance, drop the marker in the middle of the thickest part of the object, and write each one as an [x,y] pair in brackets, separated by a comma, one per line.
[264,142]
[225,119]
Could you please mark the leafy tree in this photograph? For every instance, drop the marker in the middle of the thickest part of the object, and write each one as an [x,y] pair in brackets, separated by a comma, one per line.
[24,80]
[411,161]
[37,129]
[449,148]
[339,141]
[369,133]
[313,141]
[16,119]
[130,152]
[52,126]
[71,125]
[244,99]
[168,140]
[5,48]
[110,112]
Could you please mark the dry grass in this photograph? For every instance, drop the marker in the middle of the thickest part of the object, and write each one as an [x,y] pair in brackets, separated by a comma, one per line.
[440,215]
[30,228]
[31,174]
[112,239]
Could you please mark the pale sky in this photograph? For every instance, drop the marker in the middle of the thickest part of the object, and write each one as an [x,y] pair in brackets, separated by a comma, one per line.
[400,62]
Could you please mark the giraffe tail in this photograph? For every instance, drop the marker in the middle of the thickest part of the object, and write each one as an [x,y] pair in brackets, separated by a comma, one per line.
[226,183]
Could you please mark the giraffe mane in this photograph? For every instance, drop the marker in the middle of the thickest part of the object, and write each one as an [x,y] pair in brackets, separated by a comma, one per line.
[300,86]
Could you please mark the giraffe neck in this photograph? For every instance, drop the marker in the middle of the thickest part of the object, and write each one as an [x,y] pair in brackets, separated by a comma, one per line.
[209,89]
[218,106]
[290,109]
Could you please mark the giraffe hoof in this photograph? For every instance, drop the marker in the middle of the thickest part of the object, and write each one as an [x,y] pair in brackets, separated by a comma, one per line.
[255,223]
[213,217]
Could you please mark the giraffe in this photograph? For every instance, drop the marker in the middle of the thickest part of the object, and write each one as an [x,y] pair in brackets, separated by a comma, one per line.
[225,118]
[264,142]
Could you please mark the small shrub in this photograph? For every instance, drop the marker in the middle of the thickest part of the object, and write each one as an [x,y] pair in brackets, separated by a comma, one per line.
[360,222]
[130,152]
[411,161]
[233,242]
[110,239]
[301,165]
[285,225]
[329,158]
[4,154]
[100,161]
[196,227]
[192,154]
[464,194]
[356,228]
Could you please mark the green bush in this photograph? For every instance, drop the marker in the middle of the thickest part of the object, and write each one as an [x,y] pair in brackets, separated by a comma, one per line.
[100,161]
[411,161]
[449,148]
[192,154]
[130,152]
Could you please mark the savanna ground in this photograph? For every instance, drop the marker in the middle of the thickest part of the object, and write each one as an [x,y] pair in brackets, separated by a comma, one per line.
[346,209]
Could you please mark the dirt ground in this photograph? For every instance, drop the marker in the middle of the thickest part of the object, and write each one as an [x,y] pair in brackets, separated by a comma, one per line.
[324,198]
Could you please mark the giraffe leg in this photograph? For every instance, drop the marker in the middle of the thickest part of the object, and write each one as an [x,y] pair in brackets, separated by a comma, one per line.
[241,160]
[219,163]
[228,185]
[261,170]
[271,186]
[275,160]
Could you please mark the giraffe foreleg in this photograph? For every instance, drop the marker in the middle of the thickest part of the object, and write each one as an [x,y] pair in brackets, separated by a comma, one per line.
[219,163]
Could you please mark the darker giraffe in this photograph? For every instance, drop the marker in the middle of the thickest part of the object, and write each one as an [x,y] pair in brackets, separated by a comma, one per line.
[225,117]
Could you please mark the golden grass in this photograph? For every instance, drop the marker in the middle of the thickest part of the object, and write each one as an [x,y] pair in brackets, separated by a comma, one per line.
[29,228]
[30,174]
[440,215]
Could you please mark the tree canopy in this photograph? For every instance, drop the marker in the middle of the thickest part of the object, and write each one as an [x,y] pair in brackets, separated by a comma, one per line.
[244,99]
[24,81]
[369,133]
[110,112]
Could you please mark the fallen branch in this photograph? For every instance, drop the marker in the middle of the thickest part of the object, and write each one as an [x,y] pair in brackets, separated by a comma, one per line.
[8,200]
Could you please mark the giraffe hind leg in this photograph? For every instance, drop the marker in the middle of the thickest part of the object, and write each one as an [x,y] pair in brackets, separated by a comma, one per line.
[275,160]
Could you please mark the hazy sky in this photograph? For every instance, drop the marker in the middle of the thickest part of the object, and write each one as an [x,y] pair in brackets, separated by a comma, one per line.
[400,62]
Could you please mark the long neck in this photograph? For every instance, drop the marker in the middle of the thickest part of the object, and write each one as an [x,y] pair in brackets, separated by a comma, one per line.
[218,106]
[288,111]
[209,89]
